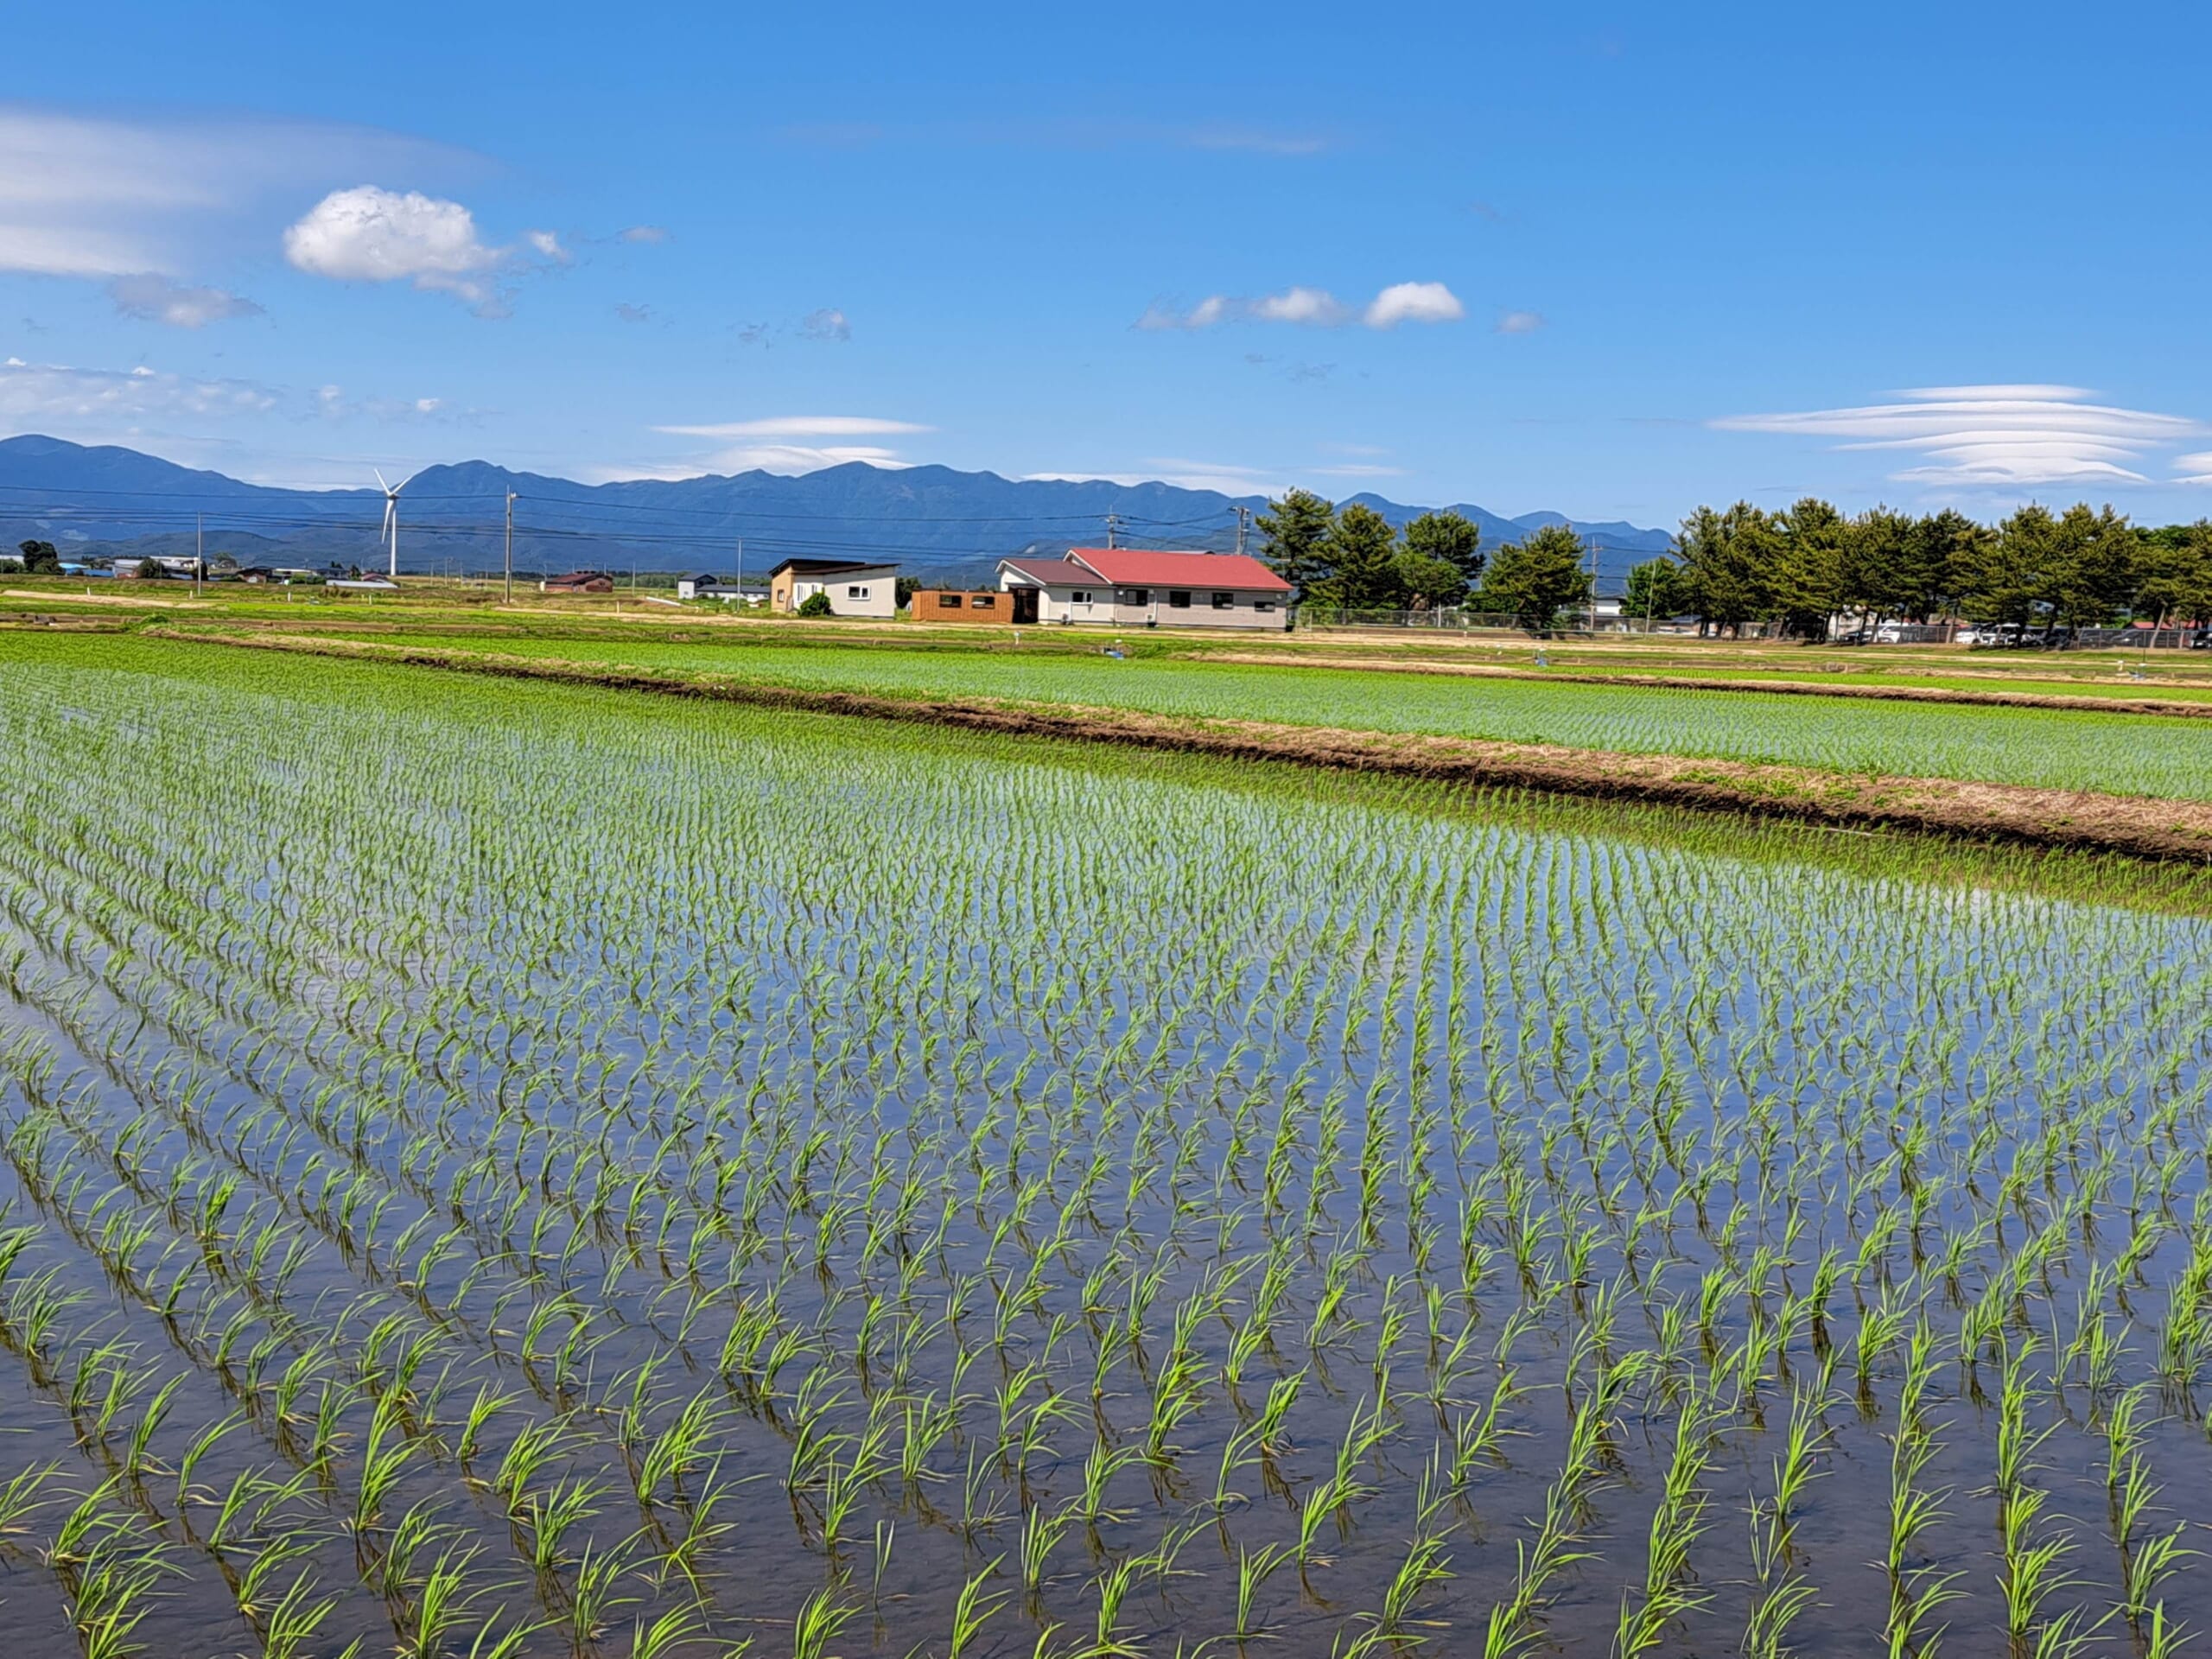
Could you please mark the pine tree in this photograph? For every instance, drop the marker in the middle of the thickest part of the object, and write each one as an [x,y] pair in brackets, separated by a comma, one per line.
[1363,554]
[1294,536]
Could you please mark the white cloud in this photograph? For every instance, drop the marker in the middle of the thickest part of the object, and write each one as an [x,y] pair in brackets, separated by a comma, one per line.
[1223,476]
[71,250]
[630,313]
[1519,323]
[90,197]
[548,245]
[784,458]
[369,235]
[1311,308]
[332,403]
[56,392]
[799,426]
[1314,307]
[647,234]
[1998,436]
[1413,303]
[152,297]
[1359,469]
[829,323]
[776,444]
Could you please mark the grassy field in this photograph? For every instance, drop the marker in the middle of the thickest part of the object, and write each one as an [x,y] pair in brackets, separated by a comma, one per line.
[538,1170]
[2164,757]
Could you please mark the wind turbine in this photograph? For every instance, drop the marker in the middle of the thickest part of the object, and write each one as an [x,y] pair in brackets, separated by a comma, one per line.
[391,517]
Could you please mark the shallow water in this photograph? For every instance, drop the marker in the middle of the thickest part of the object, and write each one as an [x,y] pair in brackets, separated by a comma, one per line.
[888,1098]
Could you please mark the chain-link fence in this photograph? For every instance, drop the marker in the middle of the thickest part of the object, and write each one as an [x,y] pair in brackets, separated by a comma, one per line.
[1454,619]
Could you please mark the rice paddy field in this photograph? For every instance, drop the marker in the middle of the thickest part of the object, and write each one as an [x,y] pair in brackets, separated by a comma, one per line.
[2168,757]
[503,1169]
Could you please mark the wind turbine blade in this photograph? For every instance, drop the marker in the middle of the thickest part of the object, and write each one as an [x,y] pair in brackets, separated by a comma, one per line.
[381,483]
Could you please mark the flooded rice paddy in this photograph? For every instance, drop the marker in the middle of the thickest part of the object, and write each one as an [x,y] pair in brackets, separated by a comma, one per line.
[504,1169]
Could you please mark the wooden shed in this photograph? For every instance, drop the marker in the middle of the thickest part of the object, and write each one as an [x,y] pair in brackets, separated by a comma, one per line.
[960,605]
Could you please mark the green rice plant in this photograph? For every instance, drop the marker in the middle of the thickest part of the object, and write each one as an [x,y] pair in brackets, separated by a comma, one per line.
[593,1597]
[1676,1525]
[547,1519]
[1783,1592]
[384,1459]
[972,1610]
[819,1623]
[1254,1569]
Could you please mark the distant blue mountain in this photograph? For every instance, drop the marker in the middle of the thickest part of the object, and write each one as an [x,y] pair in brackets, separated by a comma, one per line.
[950,524]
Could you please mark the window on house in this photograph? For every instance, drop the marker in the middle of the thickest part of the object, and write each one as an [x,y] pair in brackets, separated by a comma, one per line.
[855,593]
[986,602]
[949,601]
[1223,601]
[1179,599]
[1136,595]
[1080,597]
[1263,604]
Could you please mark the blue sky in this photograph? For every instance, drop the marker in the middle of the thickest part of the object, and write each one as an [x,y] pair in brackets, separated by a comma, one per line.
[1610,261]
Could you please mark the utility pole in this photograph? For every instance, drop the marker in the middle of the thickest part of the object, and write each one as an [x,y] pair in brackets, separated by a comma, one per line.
[1113,524]
[199,551]
[508,596]
[740,574]
[1243,522]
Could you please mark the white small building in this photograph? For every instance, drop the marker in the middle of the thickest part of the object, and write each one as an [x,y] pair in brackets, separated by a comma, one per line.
[854,589]
[706,587]
[1137,588]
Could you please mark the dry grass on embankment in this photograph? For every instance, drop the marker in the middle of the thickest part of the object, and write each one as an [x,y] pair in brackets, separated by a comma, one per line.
[2139,826]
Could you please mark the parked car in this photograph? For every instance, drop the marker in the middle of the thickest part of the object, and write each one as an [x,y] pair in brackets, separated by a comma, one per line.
[1857,636]
[1890,634]
[1967,637]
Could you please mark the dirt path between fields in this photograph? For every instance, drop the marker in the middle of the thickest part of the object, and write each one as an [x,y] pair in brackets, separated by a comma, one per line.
[2138,703]
[2138,825]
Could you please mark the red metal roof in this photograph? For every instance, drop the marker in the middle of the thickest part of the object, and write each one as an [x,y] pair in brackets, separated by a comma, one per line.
[1130,567]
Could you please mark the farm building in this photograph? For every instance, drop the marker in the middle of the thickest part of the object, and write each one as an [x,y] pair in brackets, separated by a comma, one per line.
[578,582]
[854,589]
[960,605]
[1132,588]
[706,587]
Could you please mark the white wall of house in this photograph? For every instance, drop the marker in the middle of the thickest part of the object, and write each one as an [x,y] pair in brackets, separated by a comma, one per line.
[1120,608]
[855,593]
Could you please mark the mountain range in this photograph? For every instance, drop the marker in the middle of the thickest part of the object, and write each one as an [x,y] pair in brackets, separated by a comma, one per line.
[952,525]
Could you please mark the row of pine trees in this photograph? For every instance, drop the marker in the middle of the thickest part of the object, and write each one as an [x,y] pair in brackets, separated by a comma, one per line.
[1794,569]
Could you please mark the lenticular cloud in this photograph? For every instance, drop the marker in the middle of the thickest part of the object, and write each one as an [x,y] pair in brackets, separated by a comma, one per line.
[1993,435]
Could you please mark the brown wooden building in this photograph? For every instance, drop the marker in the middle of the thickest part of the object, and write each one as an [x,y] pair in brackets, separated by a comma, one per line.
[960,605]
[578,582]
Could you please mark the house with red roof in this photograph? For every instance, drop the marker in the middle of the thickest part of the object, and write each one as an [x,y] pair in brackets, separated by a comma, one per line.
[1141,587]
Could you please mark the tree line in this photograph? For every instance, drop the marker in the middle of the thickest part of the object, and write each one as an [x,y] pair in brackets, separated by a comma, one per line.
[1798,569]
[1795,569]
[1351,558]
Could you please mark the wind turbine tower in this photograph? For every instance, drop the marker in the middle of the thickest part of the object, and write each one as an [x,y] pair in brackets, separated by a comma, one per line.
[391,519]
